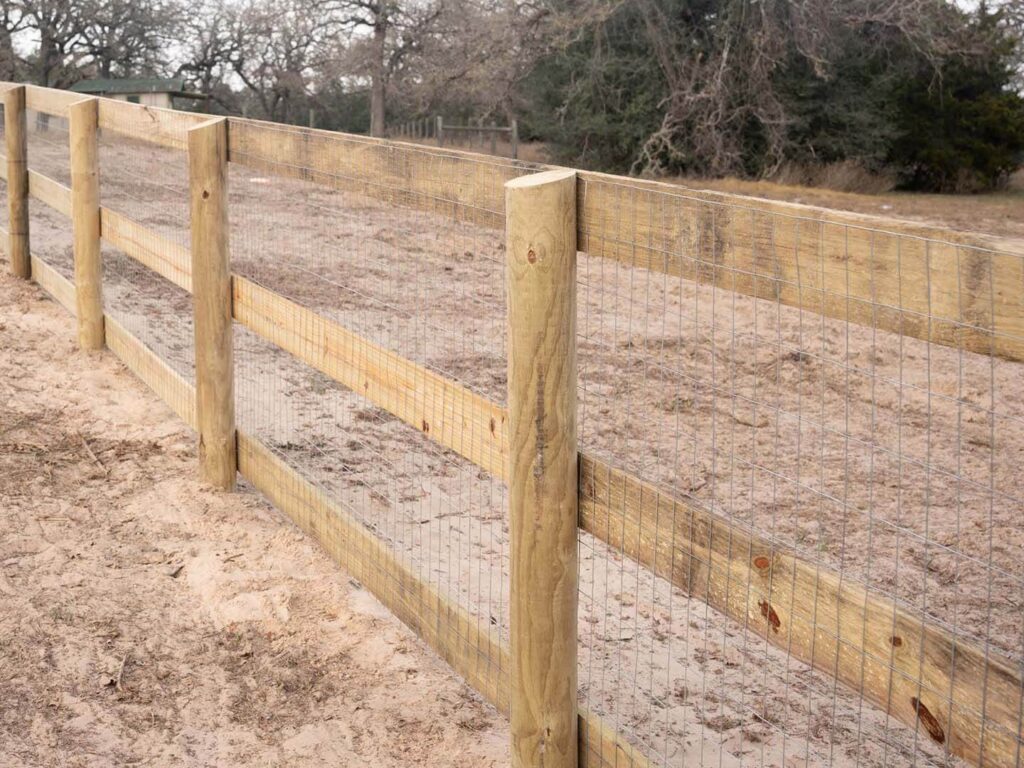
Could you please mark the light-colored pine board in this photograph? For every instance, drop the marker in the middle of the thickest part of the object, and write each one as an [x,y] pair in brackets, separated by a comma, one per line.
[54,283]
[448,413]
[163,256]
[864,640]
[49,191]
[51,101]
[165,127]
[167,383]
[455,184]
[946,287]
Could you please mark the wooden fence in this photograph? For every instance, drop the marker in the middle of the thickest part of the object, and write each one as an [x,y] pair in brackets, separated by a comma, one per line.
[479,136]
[965,697]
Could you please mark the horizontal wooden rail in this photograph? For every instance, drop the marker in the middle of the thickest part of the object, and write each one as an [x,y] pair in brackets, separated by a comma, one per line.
[467,643]
[938,285]
[54,283]
[451,415]
[935,284]
[864,640]
[50,101]
[50,192]
[163,256]
[164,127]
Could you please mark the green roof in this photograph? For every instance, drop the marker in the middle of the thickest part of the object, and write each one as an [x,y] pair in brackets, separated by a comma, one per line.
[130,85]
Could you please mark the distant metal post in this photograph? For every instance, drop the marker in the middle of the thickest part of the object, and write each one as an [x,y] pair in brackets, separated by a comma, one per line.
[440,131]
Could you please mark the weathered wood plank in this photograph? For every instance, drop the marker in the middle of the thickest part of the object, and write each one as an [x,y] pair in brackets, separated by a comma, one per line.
[49,191]
[451,415]
[163,256]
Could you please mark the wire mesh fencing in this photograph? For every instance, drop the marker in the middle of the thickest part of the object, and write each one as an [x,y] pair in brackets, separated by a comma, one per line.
[799,515]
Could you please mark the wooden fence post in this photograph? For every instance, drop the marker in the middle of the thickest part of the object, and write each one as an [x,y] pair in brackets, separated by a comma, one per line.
[515,140]
[440,131]
[211,288]
[541,251]
[16,131]
[83,123]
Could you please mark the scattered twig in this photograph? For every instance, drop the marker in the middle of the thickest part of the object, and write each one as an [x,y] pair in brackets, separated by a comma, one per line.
[120,673]
[93,455]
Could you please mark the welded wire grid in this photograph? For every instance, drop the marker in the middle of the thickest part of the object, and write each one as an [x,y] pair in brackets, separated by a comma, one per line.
[50,233]
[885,460]
[148,184]
[360,250]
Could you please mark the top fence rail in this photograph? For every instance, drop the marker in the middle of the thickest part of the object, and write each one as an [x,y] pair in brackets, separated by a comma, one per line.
[939,285]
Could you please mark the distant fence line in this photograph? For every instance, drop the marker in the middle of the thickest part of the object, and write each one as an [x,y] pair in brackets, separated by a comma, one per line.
[965,698]
[480,136]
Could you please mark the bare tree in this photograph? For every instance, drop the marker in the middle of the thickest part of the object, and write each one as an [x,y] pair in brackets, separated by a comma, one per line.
[126,37]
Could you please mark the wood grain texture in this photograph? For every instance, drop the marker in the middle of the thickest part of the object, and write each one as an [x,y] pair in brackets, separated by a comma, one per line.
[448,413]
[163,256]
[85,221]
[50,192]
[864,640]
[17,182]
[164,127]
[542,488]
[943,286]
[51,101]
[211,284]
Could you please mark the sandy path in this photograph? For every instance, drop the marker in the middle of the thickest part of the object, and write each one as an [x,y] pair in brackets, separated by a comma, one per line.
[146,620]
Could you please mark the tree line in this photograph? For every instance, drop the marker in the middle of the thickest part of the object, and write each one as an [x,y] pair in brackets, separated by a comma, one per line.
[924,93]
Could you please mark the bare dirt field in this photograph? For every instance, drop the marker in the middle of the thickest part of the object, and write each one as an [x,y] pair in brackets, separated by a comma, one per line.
[146,620]
[887,459]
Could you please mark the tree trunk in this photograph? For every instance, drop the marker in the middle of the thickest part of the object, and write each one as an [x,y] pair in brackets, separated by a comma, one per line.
[377,74]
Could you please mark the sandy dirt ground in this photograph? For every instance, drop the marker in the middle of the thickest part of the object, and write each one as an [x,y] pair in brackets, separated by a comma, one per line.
[147,620]
[887,459]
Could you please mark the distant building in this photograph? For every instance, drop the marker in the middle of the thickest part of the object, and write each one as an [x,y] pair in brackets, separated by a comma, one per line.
[150,91]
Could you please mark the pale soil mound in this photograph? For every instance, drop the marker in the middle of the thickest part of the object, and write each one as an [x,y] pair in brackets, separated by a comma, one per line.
[147,620]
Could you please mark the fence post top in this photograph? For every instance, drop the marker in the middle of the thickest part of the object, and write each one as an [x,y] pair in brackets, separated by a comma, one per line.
[542,178]
[206,124]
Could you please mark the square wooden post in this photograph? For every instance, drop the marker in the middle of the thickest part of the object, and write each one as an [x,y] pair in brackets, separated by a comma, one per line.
[211,288]
[16,131]
[543,477]
[83,126]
